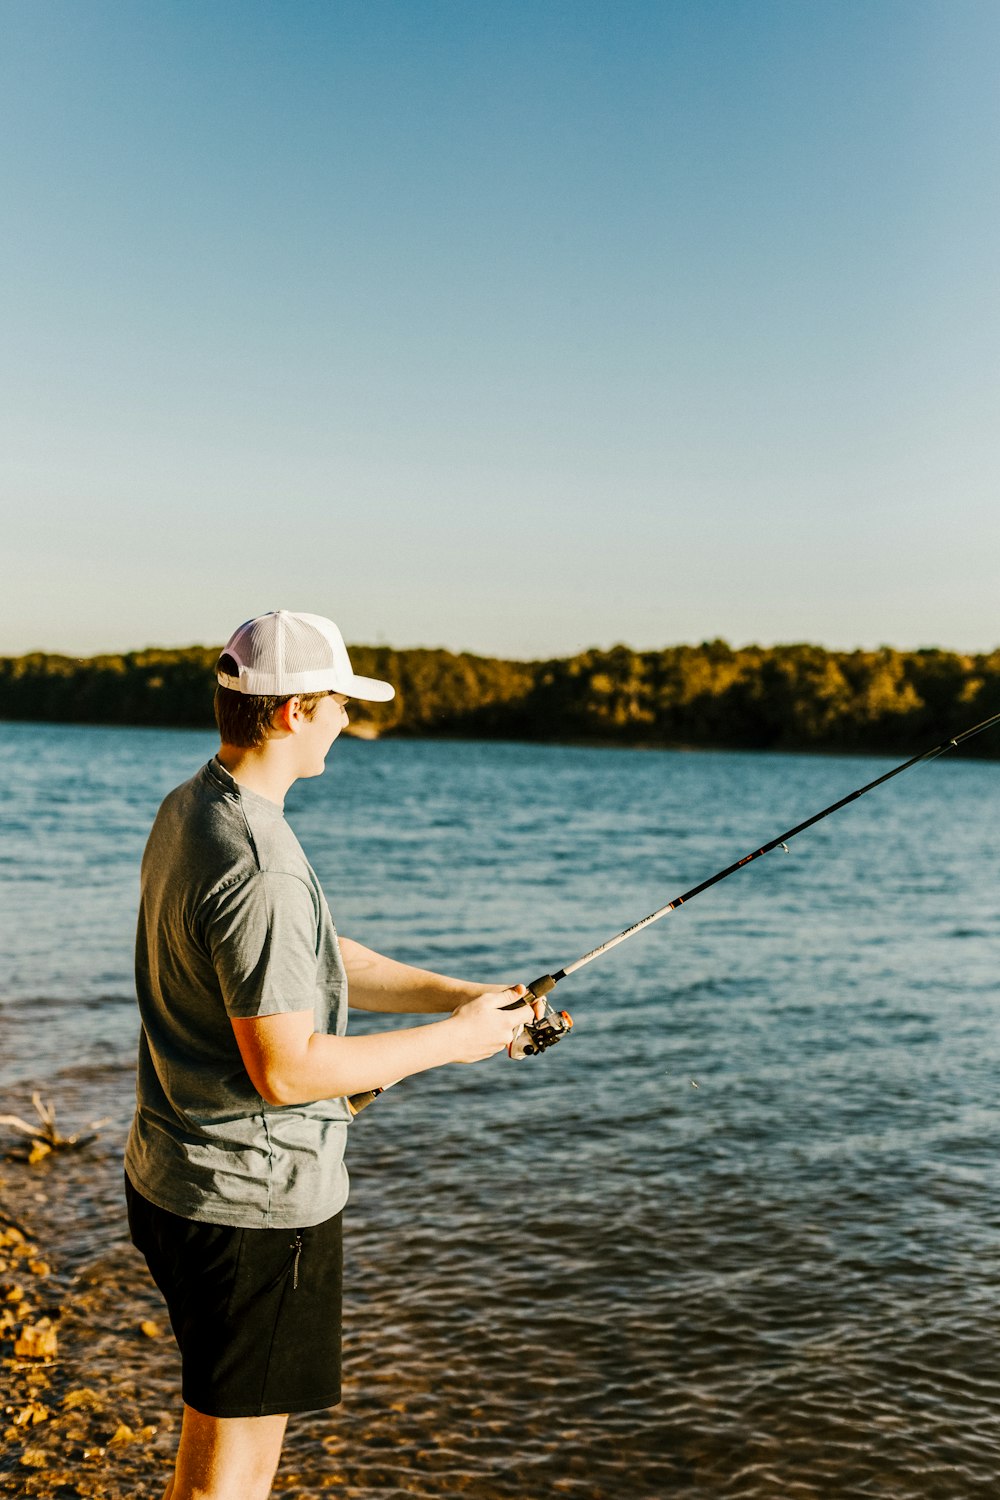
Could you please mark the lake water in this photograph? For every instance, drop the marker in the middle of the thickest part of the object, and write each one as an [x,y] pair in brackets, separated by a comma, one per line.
[738,1235]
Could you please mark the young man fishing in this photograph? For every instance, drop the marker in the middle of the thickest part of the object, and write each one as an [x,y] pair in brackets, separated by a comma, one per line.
[234,1165]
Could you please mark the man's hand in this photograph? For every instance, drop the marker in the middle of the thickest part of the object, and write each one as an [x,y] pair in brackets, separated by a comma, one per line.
[514,991]
[482,1027]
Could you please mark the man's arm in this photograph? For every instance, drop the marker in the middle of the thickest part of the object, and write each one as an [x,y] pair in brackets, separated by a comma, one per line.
[290,1063]
[379,983]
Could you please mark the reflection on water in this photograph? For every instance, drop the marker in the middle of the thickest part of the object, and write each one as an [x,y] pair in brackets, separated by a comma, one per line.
[579,1274]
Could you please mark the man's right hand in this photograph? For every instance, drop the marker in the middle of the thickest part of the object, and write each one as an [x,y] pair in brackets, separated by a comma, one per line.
[482,1027]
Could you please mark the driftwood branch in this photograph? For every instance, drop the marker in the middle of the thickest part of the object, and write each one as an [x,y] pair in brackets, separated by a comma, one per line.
[44,1136]
[10,1222]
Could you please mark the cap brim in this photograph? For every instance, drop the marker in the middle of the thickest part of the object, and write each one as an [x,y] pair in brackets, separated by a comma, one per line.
[369,689]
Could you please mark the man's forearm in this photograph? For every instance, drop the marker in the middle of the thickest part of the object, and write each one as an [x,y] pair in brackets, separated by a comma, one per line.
[332,1066]
[290,1063]
[379,983]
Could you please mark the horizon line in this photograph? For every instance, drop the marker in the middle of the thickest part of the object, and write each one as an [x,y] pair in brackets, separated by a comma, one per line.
[752,645]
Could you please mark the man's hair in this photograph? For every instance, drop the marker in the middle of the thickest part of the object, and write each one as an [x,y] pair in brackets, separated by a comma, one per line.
[246,719]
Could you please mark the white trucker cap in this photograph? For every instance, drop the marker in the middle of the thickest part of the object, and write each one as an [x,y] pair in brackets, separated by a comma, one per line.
[281,654]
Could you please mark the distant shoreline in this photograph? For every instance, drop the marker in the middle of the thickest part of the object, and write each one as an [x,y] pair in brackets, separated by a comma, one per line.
[368,735]
[709,696]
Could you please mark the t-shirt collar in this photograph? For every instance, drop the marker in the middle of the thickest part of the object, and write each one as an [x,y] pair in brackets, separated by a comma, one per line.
[217,772]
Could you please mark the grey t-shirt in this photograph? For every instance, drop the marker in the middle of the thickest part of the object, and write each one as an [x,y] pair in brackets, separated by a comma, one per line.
[232,923]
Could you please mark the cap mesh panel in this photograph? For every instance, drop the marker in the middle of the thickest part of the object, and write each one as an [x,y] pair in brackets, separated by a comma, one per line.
[258,646]
[278,647]
[306,649]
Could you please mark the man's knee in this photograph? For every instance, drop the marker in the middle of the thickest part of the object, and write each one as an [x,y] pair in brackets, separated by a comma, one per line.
[227,1458]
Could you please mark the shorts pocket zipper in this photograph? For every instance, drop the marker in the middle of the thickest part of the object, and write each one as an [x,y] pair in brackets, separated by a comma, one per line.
[297,1247]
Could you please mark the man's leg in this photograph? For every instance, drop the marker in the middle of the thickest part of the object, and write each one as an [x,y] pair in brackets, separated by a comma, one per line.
[226,1458]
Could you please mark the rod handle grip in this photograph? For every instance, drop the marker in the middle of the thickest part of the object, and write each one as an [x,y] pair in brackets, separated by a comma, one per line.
[536,989]
[357,1102]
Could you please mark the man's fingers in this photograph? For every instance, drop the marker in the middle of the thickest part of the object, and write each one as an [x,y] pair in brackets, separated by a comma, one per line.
[537,1006]
[521,1014]
[520,991]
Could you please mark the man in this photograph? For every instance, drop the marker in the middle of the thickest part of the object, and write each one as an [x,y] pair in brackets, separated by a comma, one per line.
[234,1165]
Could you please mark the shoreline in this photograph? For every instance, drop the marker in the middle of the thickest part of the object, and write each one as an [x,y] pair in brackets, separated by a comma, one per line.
[370,733]
[792,696]
[76,1336]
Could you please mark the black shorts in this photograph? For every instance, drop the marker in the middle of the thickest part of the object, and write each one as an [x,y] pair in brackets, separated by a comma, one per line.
[256,1312]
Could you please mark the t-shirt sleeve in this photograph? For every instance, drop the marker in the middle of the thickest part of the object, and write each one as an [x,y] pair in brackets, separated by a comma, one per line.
[262,936]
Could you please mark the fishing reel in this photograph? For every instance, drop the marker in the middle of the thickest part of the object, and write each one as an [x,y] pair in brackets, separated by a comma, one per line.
[538,1035]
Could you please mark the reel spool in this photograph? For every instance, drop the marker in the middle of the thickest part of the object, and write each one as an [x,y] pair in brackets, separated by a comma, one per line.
[539,1035]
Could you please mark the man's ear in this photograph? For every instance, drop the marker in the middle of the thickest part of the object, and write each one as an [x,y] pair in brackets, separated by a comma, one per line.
[286,715]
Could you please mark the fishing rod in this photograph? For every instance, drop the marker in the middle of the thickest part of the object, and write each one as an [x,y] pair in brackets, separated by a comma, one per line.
[552,1026]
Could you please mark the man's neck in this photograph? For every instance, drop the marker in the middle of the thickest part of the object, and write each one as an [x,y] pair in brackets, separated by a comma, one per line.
[259,771]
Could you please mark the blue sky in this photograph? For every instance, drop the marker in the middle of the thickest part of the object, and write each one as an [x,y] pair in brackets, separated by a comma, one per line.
[512,327]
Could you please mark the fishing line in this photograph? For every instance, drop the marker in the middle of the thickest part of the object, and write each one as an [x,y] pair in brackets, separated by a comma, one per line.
[553,1025]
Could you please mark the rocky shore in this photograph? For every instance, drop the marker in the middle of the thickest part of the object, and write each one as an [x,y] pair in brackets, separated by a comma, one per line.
[74,1343]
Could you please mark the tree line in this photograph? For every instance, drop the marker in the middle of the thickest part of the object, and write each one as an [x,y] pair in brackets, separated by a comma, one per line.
[790,697]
